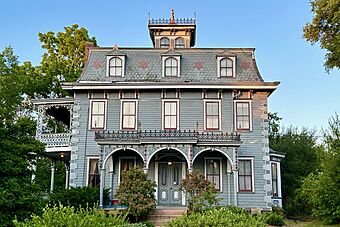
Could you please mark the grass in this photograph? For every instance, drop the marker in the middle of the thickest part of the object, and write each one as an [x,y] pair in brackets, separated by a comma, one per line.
[292,223]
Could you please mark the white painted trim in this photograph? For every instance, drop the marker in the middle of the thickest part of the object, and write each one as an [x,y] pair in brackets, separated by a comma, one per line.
[156,180]
[250,114]
[184,173]
[121,112]
[165,148]
[118,149]
[252,174]
[119,165]
[205,169]
[215,149]
[178,58]
[90,113]
[108,58]
[88,167]
[139,85]
[219,66]
[177,119]
[57,149]
[219,113]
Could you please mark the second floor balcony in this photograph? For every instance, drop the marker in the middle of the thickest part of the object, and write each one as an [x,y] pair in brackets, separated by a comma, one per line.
[167,136]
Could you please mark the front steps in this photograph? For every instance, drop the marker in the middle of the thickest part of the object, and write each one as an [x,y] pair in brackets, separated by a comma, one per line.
[164,214]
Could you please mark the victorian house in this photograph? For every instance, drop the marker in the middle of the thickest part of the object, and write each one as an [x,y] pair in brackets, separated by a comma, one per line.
[169,109]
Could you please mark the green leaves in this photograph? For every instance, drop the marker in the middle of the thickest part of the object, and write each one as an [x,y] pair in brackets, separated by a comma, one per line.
[325,29]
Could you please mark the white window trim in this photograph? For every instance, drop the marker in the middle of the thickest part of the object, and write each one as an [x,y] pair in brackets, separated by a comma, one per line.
[178,58]
[163,111]
[279,192]
[108,58]
[90,113]
[121,113]
[88,168]
[252,175]
[120,164]
[250,115]
[219,113]
[219,66]
[205,170]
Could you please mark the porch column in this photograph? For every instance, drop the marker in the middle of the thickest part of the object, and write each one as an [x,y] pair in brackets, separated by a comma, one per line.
[111,184]
[235,175]
[229,185]
[52,176]
[146,170]
[67,173]
[102,172]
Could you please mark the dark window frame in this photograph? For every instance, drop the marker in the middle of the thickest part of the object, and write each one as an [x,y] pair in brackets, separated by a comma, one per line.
[179,43]
[164,44]
[95,115]
[170,115]
[218,115]
[245,175]
[171,67]
[239,115]
[275,180]
[93,178]
[227,67]
[115,67]
[217,186]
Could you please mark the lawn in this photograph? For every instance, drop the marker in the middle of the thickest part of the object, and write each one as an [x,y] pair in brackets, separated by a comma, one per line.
[291,223]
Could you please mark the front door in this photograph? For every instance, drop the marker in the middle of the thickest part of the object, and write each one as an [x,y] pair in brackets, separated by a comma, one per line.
[169,178]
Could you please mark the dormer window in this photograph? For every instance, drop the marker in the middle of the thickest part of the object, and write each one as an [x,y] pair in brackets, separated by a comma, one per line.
[115,67]
[226,66]
[171,67]
[165,42]
[179,43]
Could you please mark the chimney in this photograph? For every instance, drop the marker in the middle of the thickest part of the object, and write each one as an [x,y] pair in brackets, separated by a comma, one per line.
[88,45]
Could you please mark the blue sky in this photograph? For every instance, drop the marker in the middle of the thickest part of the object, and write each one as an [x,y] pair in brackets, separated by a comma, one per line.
[307,95]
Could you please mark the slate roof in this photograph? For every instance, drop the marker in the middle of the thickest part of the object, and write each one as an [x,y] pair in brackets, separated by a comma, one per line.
[198,65]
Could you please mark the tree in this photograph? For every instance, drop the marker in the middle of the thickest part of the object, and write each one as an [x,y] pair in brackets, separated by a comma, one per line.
[64,57]
[274,126]
[325,28]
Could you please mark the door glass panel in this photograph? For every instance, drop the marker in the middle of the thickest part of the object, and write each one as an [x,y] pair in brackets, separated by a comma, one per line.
[176,175]
[164,176]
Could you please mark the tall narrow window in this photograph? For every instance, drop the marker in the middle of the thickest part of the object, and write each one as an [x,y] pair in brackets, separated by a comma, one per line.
[126,164]
[129,115]
[212,115]
[226,67]
[171,67]
[243,116]
[115,66]
[97,115]
[179,42]
[213,172]
[93,173]
[274,180]
[170,115]
[245,175]
[165,42]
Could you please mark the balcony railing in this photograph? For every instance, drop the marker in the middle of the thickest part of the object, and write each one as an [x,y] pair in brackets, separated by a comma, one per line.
[175,21]
[191,136]
[56,139]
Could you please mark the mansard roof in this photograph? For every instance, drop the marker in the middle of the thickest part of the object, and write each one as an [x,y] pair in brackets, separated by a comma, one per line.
[198,65]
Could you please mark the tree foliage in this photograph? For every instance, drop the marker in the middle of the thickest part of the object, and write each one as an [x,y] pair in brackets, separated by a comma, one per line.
[325,29]
[64,57]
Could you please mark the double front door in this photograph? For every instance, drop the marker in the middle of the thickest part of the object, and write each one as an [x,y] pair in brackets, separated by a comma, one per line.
[169,179]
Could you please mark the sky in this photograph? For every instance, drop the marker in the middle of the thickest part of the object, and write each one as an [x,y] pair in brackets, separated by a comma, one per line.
[307,95]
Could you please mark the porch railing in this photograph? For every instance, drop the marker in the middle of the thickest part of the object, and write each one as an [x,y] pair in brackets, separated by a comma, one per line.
[148,136]
[56,139]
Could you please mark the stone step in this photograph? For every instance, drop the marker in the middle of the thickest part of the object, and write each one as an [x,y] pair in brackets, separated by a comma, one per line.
[163,215]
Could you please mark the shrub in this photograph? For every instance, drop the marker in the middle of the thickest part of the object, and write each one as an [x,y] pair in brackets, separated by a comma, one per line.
[222,216]
[137,192]
[275,219]
[77,197]
[69,216]
[201,193]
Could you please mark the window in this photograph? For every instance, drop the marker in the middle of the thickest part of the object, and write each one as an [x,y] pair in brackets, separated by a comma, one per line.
[165,42]
[129,115]
[93,172]
[212,115]
[115,66]
[213,171]
[170,115]
[243,118]
[226,67]
[171,66]
[245,175]
[97,116]
[126,164]
[179,43]
[274,180]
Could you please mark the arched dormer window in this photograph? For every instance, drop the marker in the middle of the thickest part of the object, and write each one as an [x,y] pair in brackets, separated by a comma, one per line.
[165,42]
[115,67]
[179,43]
[171,67]
[226,67]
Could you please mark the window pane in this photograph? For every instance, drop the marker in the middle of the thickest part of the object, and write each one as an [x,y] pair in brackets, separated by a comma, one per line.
[223,63]
[229,71]
[97,122]
[164,176]
[173,122]
[129,108]
[248,183]
[176,176]
[129,122]
[241,183]
[274,171]
[229,63]
[212,108]
[241,168]
[167,122]
[93,177]
[118,62]
[223,71]
[98,107]
[247,168]
[173,109]
[173,71]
